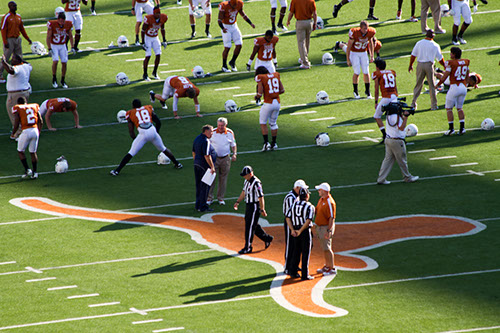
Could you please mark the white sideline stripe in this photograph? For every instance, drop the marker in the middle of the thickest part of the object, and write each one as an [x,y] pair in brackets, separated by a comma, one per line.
[241,95]
[463,164]
[364,131]
[43,279]
[497,180]
[137,59]
[473,329]
[321,119]
[31,269]
[301,112]
[489,219]
[34,220]
[210,82]
[173,71]
[441,158]
[7,262]
[105,304]
[421,151]
[169,329]
[158,65]
[475,173]
[370,139]
[141,312]
[90,42]
[82,296]
[340,125]
[62,287]
[146,321]
[119,54]
[35,26]
[43,32]
[228,88]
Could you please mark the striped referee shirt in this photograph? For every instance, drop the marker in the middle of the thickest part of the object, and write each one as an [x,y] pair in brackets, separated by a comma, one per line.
[253,190]
[300,212]
[290,198]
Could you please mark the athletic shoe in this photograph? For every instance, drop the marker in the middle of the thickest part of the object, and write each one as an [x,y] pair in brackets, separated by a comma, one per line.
[27,174]
[356,95]
[440,31]
[152,96]
[398,15]
[335,11]
[385,182]
[245,251]
[178,166]
[146,78]
[455,41]
[193,34]
[275,32]
[208,209]
[304,66]
[412,179]
[34,175]
[475,10]
[113,173]
[336,47]
[225,70]
[300,60]
[64,85]
[222,202]
[462,40]
[266,147]
[233,66]
[323,269]
[413,19]
[137,43]
[369,96]
[209,202]
[93,13]
[308,277]
[2,80]
[267,244]
[294,275]
[282,27]
[209,35]
[156,77]
[461,131]
[331,271]
[434,108]
[54,84]
[449,132]
[372,17]
[274,146]
[179,2]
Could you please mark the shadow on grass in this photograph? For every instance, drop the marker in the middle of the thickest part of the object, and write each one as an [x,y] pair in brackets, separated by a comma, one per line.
[175,267]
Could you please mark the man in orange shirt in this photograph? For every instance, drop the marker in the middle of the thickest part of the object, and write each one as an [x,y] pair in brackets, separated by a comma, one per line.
[305,14]
[61,104]
[12,26]
[325,227]
[28,117]
[150,40]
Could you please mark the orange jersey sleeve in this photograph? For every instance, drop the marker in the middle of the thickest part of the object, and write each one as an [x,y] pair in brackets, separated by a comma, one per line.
[271,84]
[153,26]
[141,115]
[28,114]
[181,84]
[387,82]
[360,41]
[265,48]
[60,34]
[230,13]
[458,70]
[72,6]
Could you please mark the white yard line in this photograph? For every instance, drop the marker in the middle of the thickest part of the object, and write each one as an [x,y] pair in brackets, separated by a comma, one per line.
[173,71]
[7,262]
[89,42]
[441,158]
[370,139]
[247,94]
[119,54]
[107,304]
[463,164]
[421,151]
[475,173]
[62,288]
[82,296]
[168,329]
[137,59]
[31,269]
[302,112]
[363,131]
[141,312]
[43,279]
[228,88]
[34,220]
[146,321]
[477,329]
[321,119]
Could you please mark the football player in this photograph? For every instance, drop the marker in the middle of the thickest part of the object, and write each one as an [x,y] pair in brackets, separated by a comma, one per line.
[336,9]
[61,104]
[413,18]
[385,79]
[274,5]
[177,87]
[460,8]
[138,8]
[458,71]
[142,118]
[28,117]
[269,85]
[475,4]
[472,81]
[74,15]
[58,34]
[205,5]
[265,49]
[228,13]
[92,8]
[149,34]
[343,46]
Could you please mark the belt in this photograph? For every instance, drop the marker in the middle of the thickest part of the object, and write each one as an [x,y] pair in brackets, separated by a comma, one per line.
[223,156]
[395,138]
[16,91]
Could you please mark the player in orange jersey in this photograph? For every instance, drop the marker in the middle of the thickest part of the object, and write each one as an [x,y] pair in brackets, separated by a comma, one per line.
[138,8]
[28,117]
[142,118]
[61,104]
[385,79]
[265,49]
[74,15]
[177,87]
[58,34]
[150,40]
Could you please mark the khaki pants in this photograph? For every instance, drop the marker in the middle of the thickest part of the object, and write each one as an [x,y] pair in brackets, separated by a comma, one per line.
[425,70]
[436,14]
[394,150]
[11,101]
[14,48]
[303,30]
[222,167]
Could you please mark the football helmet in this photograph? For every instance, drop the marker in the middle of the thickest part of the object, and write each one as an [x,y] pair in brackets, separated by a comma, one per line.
[122,41]
[322,97]
[121,116]
[322,139]
[231,106]
[445,10]
[122,79]
[58,10]
[61,165]
[320,24]
[488,124]
[198,72]
[327,59]
[198,13]
[38,48]
[163,159]
[411,130]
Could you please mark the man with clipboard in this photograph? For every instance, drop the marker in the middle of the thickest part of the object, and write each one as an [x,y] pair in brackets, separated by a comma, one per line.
[204,167]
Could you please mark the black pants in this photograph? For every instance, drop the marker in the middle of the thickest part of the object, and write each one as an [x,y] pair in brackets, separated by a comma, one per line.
[288,251]
[252,226]
[301,247]
[201,188]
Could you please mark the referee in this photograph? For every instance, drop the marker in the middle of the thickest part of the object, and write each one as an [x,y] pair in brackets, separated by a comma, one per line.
[254,198]
[290,198]
[299,218]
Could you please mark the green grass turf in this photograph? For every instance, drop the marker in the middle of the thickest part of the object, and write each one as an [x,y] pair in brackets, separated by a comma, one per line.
[432,305]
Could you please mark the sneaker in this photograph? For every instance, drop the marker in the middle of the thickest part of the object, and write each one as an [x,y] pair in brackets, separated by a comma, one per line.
[152,96]
[2,80]
[266,147]
[208,209]
[274,146]
[449,132]
[304,66]
[462,40]
[294,275]
[413,19]
[267,244]
[332,271]
[461,131]
[233,66]
[439,88]
[434,108]
[335,11]
[275,32]
[440,31]
[179,2]
[356,95]
[323,269]
[156,77]
[34,175]
[282,27]
[385,182]
[222,202]
[178,166]
[455,41]
[93,13]
[372,17]
[54,84]
[412,179]
[163,105]
[137,43]
[245,251]
[398,15]
[113,173]
[369,96]
[27,174]
[336,47]
[225,70]
[64,85]
[146,78]
[308,277]
[300,60]
[193,34]
[209,202]
[209,35]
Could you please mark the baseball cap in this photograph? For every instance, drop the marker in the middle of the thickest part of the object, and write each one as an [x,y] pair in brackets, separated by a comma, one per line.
[300,183]
[323,186]
[247,169]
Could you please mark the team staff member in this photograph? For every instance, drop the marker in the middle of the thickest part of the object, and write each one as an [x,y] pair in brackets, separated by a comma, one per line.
[150,40]
[299,219]
[28,118]
[138,8]
[61,104]
[177,87]
[204,158]
[224,141]
[290,198]
[306,17]
[12,26]
[18,85]
[435,7]
[142,118]
[385,79]
[254,198]
[74,15]
[58,34]
[325,227]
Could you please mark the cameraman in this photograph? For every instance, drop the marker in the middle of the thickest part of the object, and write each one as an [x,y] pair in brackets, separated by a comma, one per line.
[386,81]
[395,145]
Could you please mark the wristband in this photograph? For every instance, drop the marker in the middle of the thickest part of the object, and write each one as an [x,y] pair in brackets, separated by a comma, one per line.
[133,8]
[250,62]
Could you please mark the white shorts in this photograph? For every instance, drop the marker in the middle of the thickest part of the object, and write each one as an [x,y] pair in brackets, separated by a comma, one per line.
[43,108]
[28,139]
[383,102]
[232,34]
[141,7]
[152,43]
[75,18]
[268,64]
[168,90]
[146,135]
[59,51]
[274,3]
[205,5]
[359,60]
[269,113]
[455,96]
[461,8]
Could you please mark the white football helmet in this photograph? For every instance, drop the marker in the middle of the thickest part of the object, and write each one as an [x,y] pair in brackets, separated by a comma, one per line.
[198,13]
[163,159]
[488,124]
[320,24]
[58,10]
[198,72]
[122,79]
[322,139]
[122,41]
[411,130]
[121,116]
[231,106]
[61,165]
[327,59]
[445,10]
[38,48]
[322,97]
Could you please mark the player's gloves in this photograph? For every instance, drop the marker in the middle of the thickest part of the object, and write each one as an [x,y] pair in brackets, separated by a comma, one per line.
[248,67]
[50,53]
[143,46]
[164,44]
[73,51]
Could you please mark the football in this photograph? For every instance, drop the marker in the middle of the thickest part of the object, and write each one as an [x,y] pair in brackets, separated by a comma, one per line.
[322,97]
[488,124]
[411,130]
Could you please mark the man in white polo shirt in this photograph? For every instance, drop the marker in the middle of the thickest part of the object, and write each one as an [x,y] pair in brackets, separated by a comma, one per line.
[223,141]
[426,50]
[18,85]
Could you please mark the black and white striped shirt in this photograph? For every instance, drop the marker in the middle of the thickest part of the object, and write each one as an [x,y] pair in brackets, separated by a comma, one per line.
[290,198]
[253,190]
[300,212]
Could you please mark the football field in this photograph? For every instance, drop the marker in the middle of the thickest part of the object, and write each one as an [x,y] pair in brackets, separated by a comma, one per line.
[86,252]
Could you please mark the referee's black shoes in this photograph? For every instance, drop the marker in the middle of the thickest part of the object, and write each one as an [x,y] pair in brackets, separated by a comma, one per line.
[245,251]
[269,243]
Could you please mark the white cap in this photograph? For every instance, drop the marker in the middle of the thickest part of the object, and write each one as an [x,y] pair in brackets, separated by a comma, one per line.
[300,183]
[323,186]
